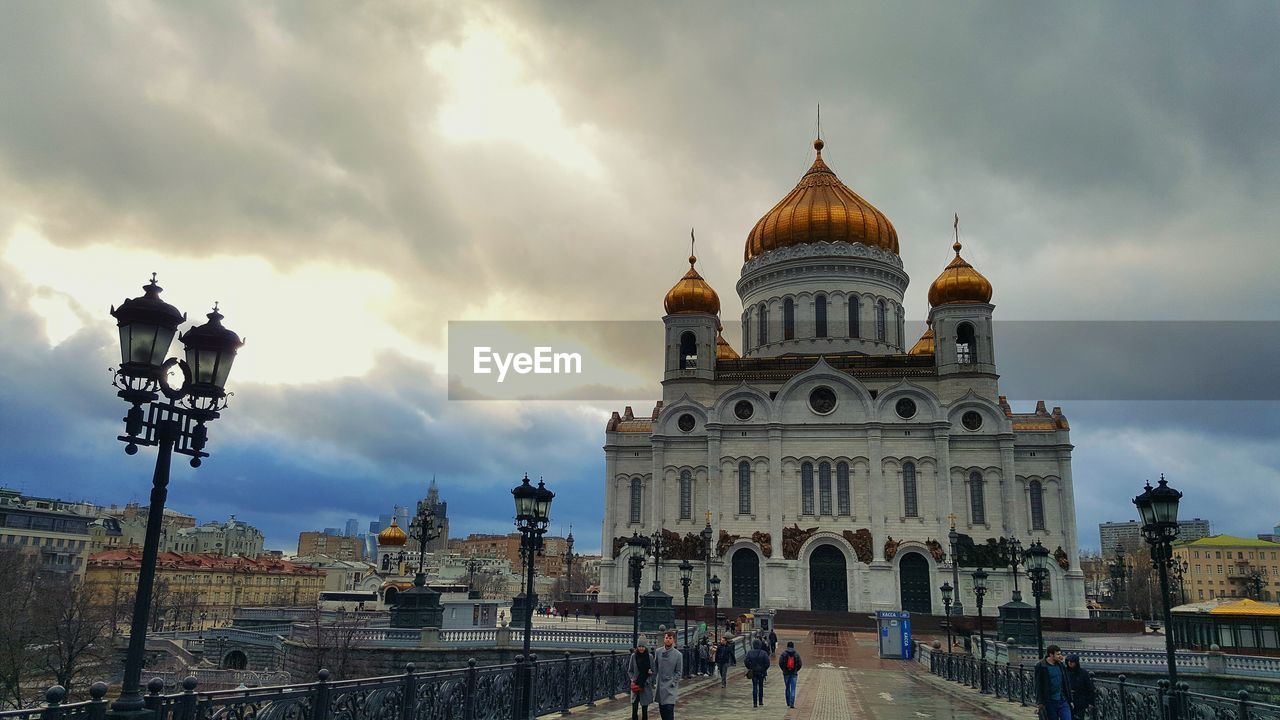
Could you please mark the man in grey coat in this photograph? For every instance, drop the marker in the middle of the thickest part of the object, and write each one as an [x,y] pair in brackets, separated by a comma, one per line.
[669,666]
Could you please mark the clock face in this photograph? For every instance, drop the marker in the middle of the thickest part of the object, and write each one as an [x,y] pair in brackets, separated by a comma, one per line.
[906,408]
[822,400]
[972,420]
[686,422]
[744,410]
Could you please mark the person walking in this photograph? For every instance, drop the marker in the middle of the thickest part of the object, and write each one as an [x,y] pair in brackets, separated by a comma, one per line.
[703,666]
[668,666]
[1082,691]
[640,670]
[757,663]
[1053,690]
[724,658]
[773,643]
[789,663]
[597,616]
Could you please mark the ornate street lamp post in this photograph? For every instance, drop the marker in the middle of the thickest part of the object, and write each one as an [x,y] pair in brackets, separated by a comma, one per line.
[686,579]
[656,547]
[147,325]
[424,528]
[707,534]
[1158,508]
[1015,559]
[946,604]
[1037,557]
[637,548]
[715,605]
[533,513]
[954,538]
[472,566]
[1119,576]
[568,566]
[980,591]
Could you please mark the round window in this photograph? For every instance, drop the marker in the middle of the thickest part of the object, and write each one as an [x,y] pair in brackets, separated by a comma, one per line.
[822,400]
[686,422]
[972,420]
[744,410]
[906,408]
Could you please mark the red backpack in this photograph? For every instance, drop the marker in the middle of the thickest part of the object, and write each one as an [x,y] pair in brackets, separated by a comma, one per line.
[791,662]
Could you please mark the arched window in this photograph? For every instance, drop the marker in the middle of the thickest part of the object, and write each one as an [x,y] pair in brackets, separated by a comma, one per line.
[966,344]
[977,503]
[820,316]
[788,319]
[637,491]
[688,351]
[763,322]
[744,488]
[824,489]
[806,488]
[880,321]
[686,495]
[902,327]
[910,505]
[746,331]
[855,312]
[844,504]
[1036,494]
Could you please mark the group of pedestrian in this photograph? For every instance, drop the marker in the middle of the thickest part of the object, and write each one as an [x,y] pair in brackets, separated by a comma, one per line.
[1063,689]
[655,676]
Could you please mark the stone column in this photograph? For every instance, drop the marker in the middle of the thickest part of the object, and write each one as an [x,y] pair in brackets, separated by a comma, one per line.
[774,511]
[610,525]
[876,491]
[712,497]
[656,508]
[1010,514]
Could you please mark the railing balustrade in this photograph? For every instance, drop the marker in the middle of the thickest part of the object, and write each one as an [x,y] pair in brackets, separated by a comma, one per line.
[1116,699]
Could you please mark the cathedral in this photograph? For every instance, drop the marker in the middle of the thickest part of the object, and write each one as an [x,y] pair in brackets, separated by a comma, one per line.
[832,456]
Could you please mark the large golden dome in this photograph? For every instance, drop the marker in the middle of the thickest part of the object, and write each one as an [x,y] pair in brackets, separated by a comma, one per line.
[392,535]
[821,208]
[692,294]
[959,283]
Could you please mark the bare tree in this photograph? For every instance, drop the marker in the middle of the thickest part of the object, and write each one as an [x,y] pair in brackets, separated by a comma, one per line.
[71,627]
[333,645]
[19,592]
[490,584]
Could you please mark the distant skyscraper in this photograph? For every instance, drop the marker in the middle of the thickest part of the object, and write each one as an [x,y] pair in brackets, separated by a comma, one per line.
[353,527]
[337,532]
[375,526]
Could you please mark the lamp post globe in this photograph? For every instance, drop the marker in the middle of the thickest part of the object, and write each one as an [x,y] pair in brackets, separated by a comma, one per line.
[1158,508]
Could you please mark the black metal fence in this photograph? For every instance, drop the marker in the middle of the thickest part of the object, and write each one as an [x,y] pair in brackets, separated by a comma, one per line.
[1115,699]
[470,693]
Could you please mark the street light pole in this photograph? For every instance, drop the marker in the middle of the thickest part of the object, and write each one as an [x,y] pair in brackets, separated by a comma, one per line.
[1158,508]
[979,591]
[1015,559]
[568,564]
[637,548]
[707,536]
[686,579]
[533,514]
[954,538]
[1038,568]
[147,325]
[715,605]
[946,604]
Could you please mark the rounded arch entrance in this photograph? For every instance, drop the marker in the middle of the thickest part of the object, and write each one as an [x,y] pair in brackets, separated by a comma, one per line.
[913,583]
[745,591]
[828,580]
[235,660]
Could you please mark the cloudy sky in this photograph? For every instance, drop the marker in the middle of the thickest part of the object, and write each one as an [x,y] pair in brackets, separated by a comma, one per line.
[345,178]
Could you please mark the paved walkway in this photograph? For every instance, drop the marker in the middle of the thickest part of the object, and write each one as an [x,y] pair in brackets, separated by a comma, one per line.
[842,679]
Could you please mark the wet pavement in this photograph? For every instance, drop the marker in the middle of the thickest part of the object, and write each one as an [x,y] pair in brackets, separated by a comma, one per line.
[842,678]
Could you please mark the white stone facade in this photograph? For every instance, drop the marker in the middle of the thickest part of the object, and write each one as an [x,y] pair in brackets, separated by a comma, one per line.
[790,458]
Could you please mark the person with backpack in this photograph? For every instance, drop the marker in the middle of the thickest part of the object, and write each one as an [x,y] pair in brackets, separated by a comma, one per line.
[789,663]
[724,657]
[757,663]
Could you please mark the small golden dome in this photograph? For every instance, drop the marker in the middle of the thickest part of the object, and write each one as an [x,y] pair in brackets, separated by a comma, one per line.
[725,351]
[959,283]
[392,535]
[821,209]
[692,294]
[925,345]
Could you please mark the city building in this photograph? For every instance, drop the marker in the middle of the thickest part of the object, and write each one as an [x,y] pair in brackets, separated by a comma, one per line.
[47,530]
[233,537]
[507,547]
[1224,566]
[1273,536]
[342,547]
[353,528]
[441,510]
[340,574]
[1128,534]
[833,450]
[194,590]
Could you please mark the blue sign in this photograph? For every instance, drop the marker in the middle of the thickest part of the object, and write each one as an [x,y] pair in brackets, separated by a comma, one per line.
[908,647]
